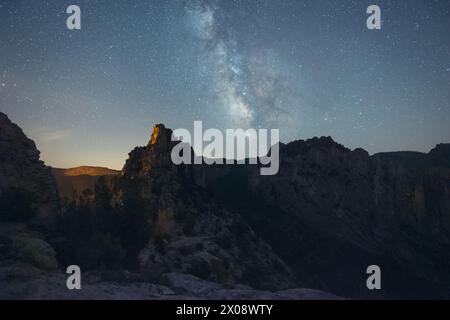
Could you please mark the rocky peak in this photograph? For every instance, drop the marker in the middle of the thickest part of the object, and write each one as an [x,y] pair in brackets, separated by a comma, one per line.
[13,139]
[161,138]
[215,244]
[441,151]
[22,169]
[325,144]
[155,155]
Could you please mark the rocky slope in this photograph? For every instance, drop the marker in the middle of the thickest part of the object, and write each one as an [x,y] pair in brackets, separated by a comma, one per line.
[35,285]
[194,236]
[28,207]
[441,151]
[225,231]
[22,170]
[330,212]
[193,233]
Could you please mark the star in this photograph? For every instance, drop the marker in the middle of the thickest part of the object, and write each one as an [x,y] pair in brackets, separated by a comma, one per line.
[284,64]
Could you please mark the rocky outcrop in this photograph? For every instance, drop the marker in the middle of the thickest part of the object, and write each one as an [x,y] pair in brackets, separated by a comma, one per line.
[330,212]
[26,188]
[192,233]
[21,246]
[441,151]
[21,169]
[226,232]
[52,286]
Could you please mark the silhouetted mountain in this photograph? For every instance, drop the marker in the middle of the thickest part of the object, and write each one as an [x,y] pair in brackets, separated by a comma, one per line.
[441,151]
[330,212]
[193,234]
[28,208]
[23,174]
[218,231]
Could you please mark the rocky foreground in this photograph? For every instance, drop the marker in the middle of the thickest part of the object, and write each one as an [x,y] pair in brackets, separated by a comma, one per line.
[20,283]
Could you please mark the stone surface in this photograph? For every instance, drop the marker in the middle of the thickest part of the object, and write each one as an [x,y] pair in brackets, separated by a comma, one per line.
[226,232]
[52,286]
[331,212]
[21,167]
[193,233]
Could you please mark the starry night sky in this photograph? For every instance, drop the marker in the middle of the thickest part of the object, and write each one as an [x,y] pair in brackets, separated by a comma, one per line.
[309,68]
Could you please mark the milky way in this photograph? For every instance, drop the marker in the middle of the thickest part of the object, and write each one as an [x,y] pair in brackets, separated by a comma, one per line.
[309,68]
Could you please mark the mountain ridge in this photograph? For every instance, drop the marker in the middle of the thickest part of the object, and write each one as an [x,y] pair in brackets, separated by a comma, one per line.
[94,171]
[328,214]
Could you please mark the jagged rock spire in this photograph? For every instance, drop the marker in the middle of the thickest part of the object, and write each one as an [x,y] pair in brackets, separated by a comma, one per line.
[161,137]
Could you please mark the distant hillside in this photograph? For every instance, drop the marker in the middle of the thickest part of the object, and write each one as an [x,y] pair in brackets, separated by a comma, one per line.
[88,171]
[80,178]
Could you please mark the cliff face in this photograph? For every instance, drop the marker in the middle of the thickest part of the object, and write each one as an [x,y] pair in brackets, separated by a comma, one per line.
[320,222]
[21,169]
[192,233]
[28,203]
[331,212]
